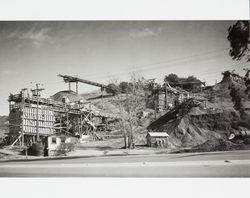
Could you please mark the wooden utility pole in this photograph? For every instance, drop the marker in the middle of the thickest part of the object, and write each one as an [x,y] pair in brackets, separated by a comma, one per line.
[22,106]
[37,119]
[37,94]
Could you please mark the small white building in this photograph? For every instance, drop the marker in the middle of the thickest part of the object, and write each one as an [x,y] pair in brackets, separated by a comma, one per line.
[157,139]
[54,141]
[84,138]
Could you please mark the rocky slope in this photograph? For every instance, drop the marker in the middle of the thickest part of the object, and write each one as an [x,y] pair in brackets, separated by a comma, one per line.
[210,121]
[4,128]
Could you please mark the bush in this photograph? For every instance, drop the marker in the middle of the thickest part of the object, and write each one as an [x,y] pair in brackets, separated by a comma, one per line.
[36,149]
[126,87]
[65,148]
[171,78]
[113,89]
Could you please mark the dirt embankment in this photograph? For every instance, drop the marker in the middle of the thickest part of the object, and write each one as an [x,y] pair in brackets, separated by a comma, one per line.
[194,129]
[206,127]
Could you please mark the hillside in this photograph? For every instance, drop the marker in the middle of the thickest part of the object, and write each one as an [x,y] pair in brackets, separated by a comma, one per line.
[202,123]
[197,125]
[118,106]
[97,94]
[3,126]
[235,88]
[207,125]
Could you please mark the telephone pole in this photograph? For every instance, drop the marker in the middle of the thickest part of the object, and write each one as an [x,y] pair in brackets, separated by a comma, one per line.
[37,94]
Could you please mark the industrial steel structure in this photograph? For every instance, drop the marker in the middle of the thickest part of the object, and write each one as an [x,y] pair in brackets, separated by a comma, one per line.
[33,118]
[71,79]
[165,97]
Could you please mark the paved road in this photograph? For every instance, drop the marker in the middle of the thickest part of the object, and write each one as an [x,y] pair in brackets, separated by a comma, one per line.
[216,164]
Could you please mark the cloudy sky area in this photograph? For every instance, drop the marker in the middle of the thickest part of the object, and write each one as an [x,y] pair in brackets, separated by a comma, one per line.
[105,51]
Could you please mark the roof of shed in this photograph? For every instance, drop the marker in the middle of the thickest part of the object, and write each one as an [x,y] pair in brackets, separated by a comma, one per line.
[158,134]
[61,135]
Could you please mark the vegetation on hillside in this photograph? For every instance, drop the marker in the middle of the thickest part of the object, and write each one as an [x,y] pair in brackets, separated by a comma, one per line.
[4,128]
[174,78]
[239,38]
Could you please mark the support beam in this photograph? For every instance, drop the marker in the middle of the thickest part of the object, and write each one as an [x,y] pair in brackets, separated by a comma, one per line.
[77,87]
[72,79]
[81,124]
[60,123]
[166,98]
[22,138]
[102,96]
[69,86]
[18,139]
[156,105]
[67,115]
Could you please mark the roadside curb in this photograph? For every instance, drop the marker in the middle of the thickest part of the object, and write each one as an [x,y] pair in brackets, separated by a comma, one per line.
[109,155]
[64,157]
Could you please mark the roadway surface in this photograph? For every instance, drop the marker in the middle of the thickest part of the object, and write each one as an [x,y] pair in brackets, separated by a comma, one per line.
[214,164]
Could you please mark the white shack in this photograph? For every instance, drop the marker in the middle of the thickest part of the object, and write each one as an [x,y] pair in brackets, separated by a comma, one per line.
[56,140]
[157,139]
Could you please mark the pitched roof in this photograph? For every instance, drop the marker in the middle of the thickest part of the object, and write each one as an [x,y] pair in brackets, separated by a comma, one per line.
[158,134]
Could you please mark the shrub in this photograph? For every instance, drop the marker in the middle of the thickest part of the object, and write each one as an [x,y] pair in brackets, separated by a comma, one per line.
[65,148]
[113,89]
[36,149]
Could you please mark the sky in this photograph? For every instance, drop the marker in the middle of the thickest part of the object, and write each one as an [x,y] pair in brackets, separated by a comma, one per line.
[105,51]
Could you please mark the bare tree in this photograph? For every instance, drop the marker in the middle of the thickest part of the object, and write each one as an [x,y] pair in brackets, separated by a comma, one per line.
[134,106]
[130,105]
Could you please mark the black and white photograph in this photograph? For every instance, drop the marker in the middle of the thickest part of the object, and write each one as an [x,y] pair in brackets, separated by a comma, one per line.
[125,98]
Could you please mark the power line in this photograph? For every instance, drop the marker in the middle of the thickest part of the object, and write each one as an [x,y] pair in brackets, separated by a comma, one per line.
[166,62]
[176,65]
[219,69]
[187,57]
[181,63]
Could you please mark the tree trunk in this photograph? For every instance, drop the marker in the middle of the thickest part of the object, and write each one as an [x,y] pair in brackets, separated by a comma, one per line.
[125,140]
[131,138]
[132,145]
[124,134]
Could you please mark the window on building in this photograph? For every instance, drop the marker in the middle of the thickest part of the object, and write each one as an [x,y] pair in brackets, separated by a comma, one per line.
[63,139]
[53,140]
